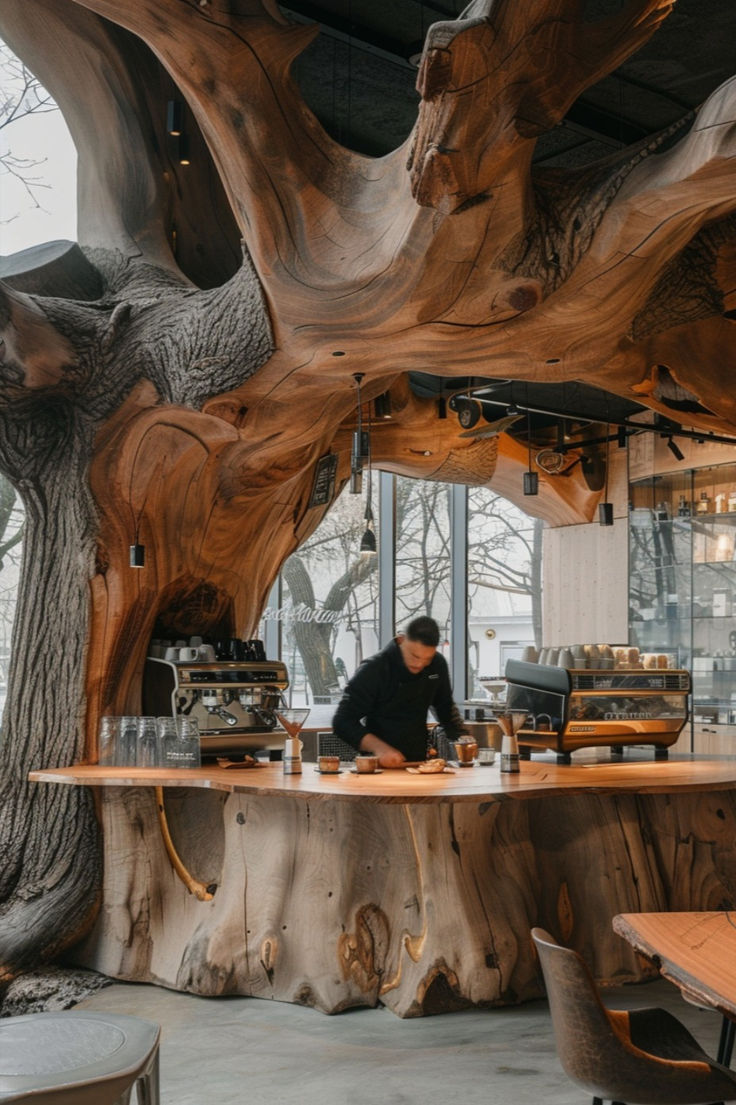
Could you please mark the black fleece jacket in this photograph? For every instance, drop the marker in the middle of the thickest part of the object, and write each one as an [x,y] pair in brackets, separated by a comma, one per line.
[384,698]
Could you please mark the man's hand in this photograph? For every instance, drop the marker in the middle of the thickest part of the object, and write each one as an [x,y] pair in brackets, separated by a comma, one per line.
[388,756]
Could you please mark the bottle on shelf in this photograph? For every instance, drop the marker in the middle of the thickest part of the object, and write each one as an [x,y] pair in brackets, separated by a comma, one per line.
[683,508]
[703,506]
[731,504]
[721,502]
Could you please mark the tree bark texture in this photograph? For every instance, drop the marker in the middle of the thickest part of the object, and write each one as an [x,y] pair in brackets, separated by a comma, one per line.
[423,907]
[173,380]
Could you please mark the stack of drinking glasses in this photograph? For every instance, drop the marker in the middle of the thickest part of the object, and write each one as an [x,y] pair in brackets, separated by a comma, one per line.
[148,742]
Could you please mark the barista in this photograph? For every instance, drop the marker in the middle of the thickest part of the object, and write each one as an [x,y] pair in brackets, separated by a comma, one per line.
[383,710]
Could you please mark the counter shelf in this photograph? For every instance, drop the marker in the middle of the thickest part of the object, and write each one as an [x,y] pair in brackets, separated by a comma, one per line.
[415,892]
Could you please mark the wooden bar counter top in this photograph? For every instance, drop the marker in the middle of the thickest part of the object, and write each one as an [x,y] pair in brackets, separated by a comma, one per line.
[414,891]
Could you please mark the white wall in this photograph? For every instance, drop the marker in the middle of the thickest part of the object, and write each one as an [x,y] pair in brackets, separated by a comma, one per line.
[585,598]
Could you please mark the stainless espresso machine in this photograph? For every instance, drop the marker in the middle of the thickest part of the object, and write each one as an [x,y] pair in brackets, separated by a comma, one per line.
[233,701]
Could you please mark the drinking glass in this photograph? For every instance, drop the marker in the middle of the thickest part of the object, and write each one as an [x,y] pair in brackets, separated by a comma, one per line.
[147,751]
[127,739]
[108,737]
[187,749]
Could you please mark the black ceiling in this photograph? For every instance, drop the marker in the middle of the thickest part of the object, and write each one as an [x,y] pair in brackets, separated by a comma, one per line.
[359,75]
[359,78]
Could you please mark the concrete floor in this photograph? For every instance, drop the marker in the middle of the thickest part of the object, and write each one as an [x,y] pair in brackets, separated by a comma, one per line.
[223,1051]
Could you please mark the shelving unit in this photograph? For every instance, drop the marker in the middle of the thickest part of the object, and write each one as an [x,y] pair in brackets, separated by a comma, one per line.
[682,589]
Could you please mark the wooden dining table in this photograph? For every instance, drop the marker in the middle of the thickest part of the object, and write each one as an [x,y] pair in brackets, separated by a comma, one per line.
[695,951]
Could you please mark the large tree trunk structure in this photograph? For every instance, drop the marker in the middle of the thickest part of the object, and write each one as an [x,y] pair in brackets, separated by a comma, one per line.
[173,379]
[334,894]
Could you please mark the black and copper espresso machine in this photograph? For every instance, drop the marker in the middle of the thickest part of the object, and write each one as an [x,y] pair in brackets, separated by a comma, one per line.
[233,701]
[581,708]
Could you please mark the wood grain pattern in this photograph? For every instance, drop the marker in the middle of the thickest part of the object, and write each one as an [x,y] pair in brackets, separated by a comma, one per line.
[696,951]
[537,777]
[181,394]
[414,892]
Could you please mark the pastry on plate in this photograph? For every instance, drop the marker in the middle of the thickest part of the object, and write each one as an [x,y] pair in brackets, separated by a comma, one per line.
[431,767]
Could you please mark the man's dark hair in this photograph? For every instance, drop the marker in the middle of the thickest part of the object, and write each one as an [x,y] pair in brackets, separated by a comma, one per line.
[425,630]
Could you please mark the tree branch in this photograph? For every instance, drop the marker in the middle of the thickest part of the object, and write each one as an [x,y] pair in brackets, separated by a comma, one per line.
[502,75]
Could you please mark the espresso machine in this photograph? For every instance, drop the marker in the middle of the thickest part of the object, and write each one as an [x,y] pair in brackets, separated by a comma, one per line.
[233,701]
[570,709]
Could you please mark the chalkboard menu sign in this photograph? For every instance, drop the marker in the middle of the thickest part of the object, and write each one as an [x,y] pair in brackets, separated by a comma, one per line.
[324,480]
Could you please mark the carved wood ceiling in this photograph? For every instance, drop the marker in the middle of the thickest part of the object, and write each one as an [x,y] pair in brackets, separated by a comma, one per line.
[359,78]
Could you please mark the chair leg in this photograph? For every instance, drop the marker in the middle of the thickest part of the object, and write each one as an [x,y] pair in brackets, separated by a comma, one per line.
[147,1086]
[725,1043]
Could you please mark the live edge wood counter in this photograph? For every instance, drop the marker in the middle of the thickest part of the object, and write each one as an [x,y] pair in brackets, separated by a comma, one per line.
[414,891]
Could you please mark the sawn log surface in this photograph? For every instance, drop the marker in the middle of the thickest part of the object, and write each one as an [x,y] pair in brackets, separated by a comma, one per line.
[415,892]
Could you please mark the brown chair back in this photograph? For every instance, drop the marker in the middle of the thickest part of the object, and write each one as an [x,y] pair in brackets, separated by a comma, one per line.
[595,1047]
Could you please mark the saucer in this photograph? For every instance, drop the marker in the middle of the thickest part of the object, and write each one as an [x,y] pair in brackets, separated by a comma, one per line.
[338,772]
[354,771]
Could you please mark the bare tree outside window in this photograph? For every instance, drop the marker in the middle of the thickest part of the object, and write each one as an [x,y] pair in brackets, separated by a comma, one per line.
[329,612]
[21,95]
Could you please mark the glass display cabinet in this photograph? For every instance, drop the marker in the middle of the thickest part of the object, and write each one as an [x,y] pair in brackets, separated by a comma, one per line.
[682,589]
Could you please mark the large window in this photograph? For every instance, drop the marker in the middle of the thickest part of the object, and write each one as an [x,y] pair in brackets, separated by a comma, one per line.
[504,585]
[328,609]
[480,580]
[11,537]
[423,550]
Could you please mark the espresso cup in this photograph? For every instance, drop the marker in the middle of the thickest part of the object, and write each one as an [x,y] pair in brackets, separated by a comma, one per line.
[366,765]
[171,653]
[328,765]
[188,654]
[486,755]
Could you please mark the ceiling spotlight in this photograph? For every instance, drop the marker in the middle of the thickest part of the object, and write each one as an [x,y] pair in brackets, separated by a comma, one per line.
[675,449]
[368,540]
[468,411]
[605,514]
[175,117]
[531,483]
[531,478]
[360,447]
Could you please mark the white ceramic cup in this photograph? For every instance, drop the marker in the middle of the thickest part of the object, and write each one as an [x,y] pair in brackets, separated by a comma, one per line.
[172,653]
[188,654]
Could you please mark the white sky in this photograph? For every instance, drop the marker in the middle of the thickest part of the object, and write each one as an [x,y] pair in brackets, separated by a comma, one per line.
[44,138]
